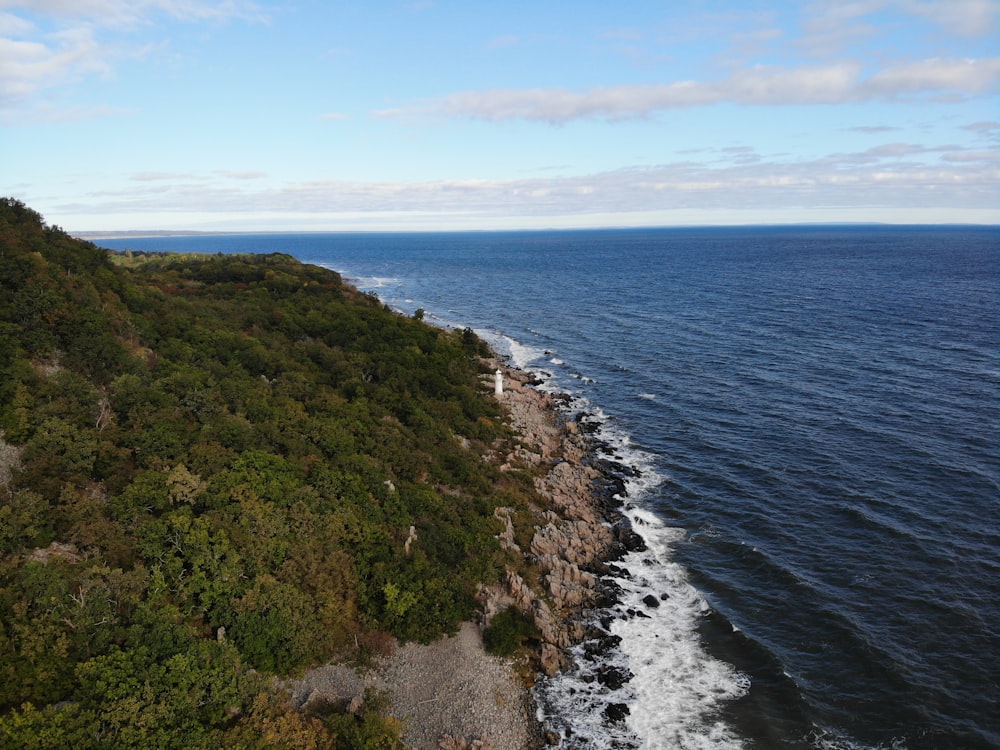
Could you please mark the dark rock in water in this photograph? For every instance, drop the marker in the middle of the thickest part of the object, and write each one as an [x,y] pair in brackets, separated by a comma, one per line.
[602,645]
[607,570]
[613,677]
[616,713]
[552,738]
[664,596]
[637,613]
[627,537]
[651,601]
[606,597]
[620,572]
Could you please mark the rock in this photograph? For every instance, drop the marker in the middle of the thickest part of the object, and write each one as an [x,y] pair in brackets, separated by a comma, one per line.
[551,660]
[651,601]
[506,536]
[579,531]
[599,646]
[628,538]
[616,713]
[410,539]
[613,677]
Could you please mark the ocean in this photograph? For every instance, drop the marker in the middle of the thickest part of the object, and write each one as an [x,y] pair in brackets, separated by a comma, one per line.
[808,421]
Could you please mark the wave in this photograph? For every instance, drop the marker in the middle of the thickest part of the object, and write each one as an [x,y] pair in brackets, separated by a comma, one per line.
[644,680]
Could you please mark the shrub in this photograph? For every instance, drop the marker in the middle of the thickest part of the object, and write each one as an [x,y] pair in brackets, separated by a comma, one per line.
[507,631]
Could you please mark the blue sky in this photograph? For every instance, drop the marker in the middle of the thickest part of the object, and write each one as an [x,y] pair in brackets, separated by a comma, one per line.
[309,115]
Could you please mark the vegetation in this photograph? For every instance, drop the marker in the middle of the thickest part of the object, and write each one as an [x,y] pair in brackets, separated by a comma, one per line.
[220,460]
[508,630]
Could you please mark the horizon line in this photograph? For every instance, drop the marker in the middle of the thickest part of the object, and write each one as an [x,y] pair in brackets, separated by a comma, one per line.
[115,234]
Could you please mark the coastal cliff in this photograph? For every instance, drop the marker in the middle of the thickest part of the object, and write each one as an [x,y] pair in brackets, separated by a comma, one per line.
[451,694]
[571,533]
[218,472]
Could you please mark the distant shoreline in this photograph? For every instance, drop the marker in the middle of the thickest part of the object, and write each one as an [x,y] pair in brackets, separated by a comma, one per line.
[92,235]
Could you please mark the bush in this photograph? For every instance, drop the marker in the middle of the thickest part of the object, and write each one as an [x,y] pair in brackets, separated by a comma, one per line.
[507,631]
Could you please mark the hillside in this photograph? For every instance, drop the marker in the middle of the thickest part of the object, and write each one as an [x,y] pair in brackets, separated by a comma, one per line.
[217,469]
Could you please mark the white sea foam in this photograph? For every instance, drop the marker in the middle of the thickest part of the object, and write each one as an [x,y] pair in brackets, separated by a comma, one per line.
[677,688]
[524,356]
[364,283]
[647,396]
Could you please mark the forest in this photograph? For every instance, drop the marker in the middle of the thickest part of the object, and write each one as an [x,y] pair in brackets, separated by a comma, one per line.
[209,469]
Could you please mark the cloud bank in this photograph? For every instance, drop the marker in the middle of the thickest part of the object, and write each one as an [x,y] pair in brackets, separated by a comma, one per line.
[887,177]
[832,84]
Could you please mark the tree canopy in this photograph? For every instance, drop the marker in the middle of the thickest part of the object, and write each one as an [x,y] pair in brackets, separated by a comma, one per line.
[218,463]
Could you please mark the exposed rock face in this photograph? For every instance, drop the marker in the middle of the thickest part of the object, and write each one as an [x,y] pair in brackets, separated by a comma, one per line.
[67,552]
[507,535]
[571,534]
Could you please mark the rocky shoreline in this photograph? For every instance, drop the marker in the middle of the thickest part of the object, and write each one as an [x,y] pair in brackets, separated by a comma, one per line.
[451,694]
[575,536]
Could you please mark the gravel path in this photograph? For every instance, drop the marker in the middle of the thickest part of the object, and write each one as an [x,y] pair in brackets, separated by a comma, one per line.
[452,686]
[449,688]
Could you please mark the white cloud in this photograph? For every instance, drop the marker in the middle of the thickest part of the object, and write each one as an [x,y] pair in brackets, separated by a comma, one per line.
[28,66]
[14,25]
[988,130]
[242,174]
[158,176]
[928,76]
[974,156]
[836,83]
[963,17]
[873,129]
[941,178]
[131,12]
[71,47]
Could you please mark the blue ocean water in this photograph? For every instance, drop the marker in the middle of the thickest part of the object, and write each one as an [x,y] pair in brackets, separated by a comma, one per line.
[813,419]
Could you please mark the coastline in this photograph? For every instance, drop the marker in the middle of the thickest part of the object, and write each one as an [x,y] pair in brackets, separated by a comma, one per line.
[452,694]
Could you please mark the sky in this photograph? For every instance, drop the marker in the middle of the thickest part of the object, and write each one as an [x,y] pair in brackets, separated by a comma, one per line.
[310,115]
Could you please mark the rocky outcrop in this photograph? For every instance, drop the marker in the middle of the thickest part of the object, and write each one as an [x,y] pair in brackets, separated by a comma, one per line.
[571,535]
[507,536]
